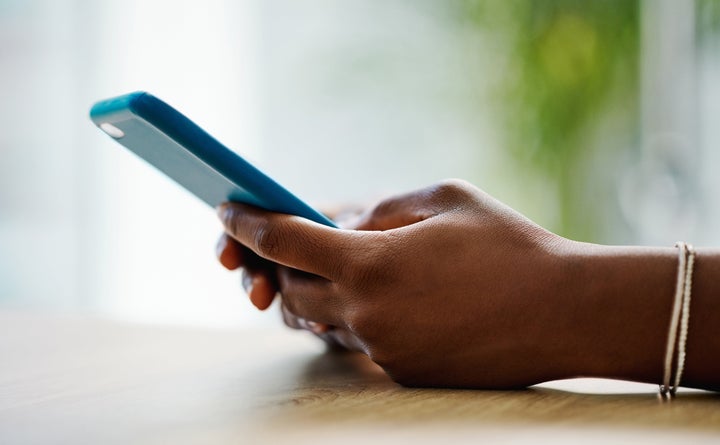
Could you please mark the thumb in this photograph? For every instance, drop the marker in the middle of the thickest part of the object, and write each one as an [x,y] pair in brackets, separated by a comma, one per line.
[288,240]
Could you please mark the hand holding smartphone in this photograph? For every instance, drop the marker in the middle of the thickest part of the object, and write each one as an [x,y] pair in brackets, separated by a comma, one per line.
[186,153]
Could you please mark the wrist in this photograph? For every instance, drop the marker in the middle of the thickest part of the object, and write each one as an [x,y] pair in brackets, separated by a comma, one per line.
[615,310]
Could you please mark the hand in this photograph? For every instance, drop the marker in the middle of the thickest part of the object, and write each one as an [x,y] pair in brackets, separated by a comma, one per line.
[259,279]
[448,287]
[444,287]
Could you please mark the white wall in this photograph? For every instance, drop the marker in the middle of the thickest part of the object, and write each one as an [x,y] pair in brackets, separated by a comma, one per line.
[341,101]
[83,224]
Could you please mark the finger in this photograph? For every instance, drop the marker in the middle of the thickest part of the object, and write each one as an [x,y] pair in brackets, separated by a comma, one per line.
[228,252]
[343,338]
[257,274]
[260,288]
[295,322]
[253,263]
[318,328]
[291,320]
[334,337]
[310,297]
[262,291]
[258,279]
[233,255]
[289,240]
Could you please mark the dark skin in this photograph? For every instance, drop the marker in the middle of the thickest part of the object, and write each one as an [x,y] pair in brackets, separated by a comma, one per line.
[447,287]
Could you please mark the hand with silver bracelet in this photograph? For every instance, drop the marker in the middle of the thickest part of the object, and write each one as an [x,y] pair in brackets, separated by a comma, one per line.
[448,287]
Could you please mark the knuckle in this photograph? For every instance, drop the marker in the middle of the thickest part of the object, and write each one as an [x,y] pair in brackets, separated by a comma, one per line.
[386,206]
[268,239]
[453,189]
[455,194]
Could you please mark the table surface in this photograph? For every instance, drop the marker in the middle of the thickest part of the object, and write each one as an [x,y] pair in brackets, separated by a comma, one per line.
[82,380]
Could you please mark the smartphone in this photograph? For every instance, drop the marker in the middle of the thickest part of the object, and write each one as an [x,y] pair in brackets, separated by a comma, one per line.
[176,146]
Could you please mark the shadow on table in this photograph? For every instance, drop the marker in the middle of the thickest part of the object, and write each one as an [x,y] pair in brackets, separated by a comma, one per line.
[348,387]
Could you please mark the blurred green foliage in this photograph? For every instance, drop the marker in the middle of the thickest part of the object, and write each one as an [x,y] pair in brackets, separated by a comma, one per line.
[568,63]
[708,16]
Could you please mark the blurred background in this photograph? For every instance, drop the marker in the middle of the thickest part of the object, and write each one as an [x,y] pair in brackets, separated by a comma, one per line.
[595,118]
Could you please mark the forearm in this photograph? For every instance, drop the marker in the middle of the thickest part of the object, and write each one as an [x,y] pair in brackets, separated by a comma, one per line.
[622,308]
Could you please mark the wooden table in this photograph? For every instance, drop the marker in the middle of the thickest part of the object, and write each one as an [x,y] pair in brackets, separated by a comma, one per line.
[77,380]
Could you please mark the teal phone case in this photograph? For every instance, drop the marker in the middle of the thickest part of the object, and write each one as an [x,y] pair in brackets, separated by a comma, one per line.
[182,150]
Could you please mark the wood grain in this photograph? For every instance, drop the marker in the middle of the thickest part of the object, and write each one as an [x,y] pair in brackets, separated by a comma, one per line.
[79,380]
